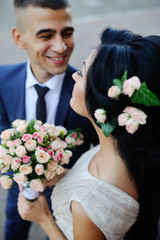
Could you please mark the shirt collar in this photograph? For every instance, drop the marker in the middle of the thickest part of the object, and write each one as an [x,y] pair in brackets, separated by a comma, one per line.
[53,83]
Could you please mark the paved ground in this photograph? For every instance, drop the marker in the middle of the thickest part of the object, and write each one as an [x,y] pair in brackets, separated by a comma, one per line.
[89,17]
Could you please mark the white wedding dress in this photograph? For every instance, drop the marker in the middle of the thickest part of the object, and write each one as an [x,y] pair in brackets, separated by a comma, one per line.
[112,210]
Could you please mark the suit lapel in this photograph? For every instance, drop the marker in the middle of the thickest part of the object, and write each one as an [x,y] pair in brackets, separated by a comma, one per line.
[65,95]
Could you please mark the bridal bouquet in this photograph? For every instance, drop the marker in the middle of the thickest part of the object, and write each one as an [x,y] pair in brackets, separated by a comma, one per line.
[34,152]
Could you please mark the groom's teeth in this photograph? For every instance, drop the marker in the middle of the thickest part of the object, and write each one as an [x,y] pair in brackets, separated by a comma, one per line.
[57,59]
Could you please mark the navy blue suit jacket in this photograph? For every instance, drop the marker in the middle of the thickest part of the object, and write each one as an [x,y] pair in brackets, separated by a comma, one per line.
[12,104]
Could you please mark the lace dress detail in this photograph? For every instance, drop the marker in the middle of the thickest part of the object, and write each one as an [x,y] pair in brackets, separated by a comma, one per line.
[112,210]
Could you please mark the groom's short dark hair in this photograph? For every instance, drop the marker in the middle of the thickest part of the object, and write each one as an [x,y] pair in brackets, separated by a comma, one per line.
[53,4]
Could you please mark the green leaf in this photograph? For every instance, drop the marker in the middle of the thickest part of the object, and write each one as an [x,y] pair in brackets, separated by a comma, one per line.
[124,77]
[30,127]
[118,83]
[145,96]
[107,128]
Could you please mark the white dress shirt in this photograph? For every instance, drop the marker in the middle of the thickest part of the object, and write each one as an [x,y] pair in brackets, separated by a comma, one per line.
[51,97]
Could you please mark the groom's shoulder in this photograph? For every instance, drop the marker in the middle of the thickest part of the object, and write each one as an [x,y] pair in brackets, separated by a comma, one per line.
[10,70]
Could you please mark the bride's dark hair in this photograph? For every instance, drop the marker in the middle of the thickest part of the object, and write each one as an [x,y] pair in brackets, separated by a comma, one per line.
[121,50]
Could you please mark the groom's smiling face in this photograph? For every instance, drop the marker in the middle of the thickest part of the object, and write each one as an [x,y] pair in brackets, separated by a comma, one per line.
[47,35]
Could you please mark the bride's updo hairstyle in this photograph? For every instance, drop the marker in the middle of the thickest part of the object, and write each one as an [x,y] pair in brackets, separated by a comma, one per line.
[120,51]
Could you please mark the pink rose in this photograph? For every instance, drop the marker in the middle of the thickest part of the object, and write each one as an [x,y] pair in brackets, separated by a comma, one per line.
[15,163]
[35,135]
[19,178]
[51,153]
[40,148]
[123,118]
[66,157]
[42,128]
[26,159]
[31,145]
[7,159]
[21,151]
[132,126]
[42,156]
[56,158]
[114,92]
[60,153]
[130,85]
[25,169]
[101,115]
[139,116]
[49,174]
[6,182]
[59,169]
[136,114]
[37,185]
[17,142]
[39,169]
[130,110]
[40,139]
[52,165]
[26,137]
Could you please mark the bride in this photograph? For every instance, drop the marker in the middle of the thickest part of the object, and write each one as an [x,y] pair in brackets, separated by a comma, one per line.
[112,192]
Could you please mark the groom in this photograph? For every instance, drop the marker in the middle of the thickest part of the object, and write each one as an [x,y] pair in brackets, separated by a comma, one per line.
[44,29]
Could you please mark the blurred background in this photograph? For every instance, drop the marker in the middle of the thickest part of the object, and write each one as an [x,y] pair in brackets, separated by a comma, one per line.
[89,18]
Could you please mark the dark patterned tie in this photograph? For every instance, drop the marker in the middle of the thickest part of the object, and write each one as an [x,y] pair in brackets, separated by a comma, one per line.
[41,105]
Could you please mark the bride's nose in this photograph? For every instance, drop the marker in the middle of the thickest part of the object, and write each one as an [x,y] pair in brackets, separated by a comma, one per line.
[74,76]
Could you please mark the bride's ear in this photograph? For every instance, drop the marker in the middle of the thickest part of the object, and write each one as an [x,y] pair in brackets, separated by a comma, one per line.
[18,38]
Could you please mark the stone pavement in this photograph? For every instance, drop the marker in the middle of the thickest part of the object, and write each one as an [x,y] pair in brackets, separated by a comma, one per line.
[142,20]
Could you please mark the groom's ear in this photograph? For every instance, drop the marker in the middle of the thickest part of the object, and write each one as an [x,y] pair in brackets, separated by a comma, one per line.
[18,38]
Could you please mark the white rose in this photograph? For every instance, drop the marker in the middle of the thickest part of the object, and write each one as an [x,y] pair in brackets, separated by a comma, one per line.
[6,182]
[42,156]
[49,174]
[25,169]
[19,178]
[101,115]
[7,159]
[7,134]
[15,163]
[3,151]
[52,165]
[37,185]
[31,145]
[39,169]
[59,169]
[21,151]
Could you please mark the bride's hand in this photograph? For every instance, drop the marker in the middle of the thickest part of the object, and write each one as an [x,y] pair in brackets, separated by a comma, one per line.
[36,211]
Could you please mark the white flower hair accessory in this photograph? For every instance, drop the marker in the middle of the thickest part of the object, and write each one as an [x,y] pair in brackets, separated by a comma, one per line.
[131,117]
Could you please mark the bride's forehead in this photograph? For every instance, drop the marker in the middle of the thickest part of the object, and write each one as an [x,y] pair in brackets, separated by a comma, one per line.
[90,58]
